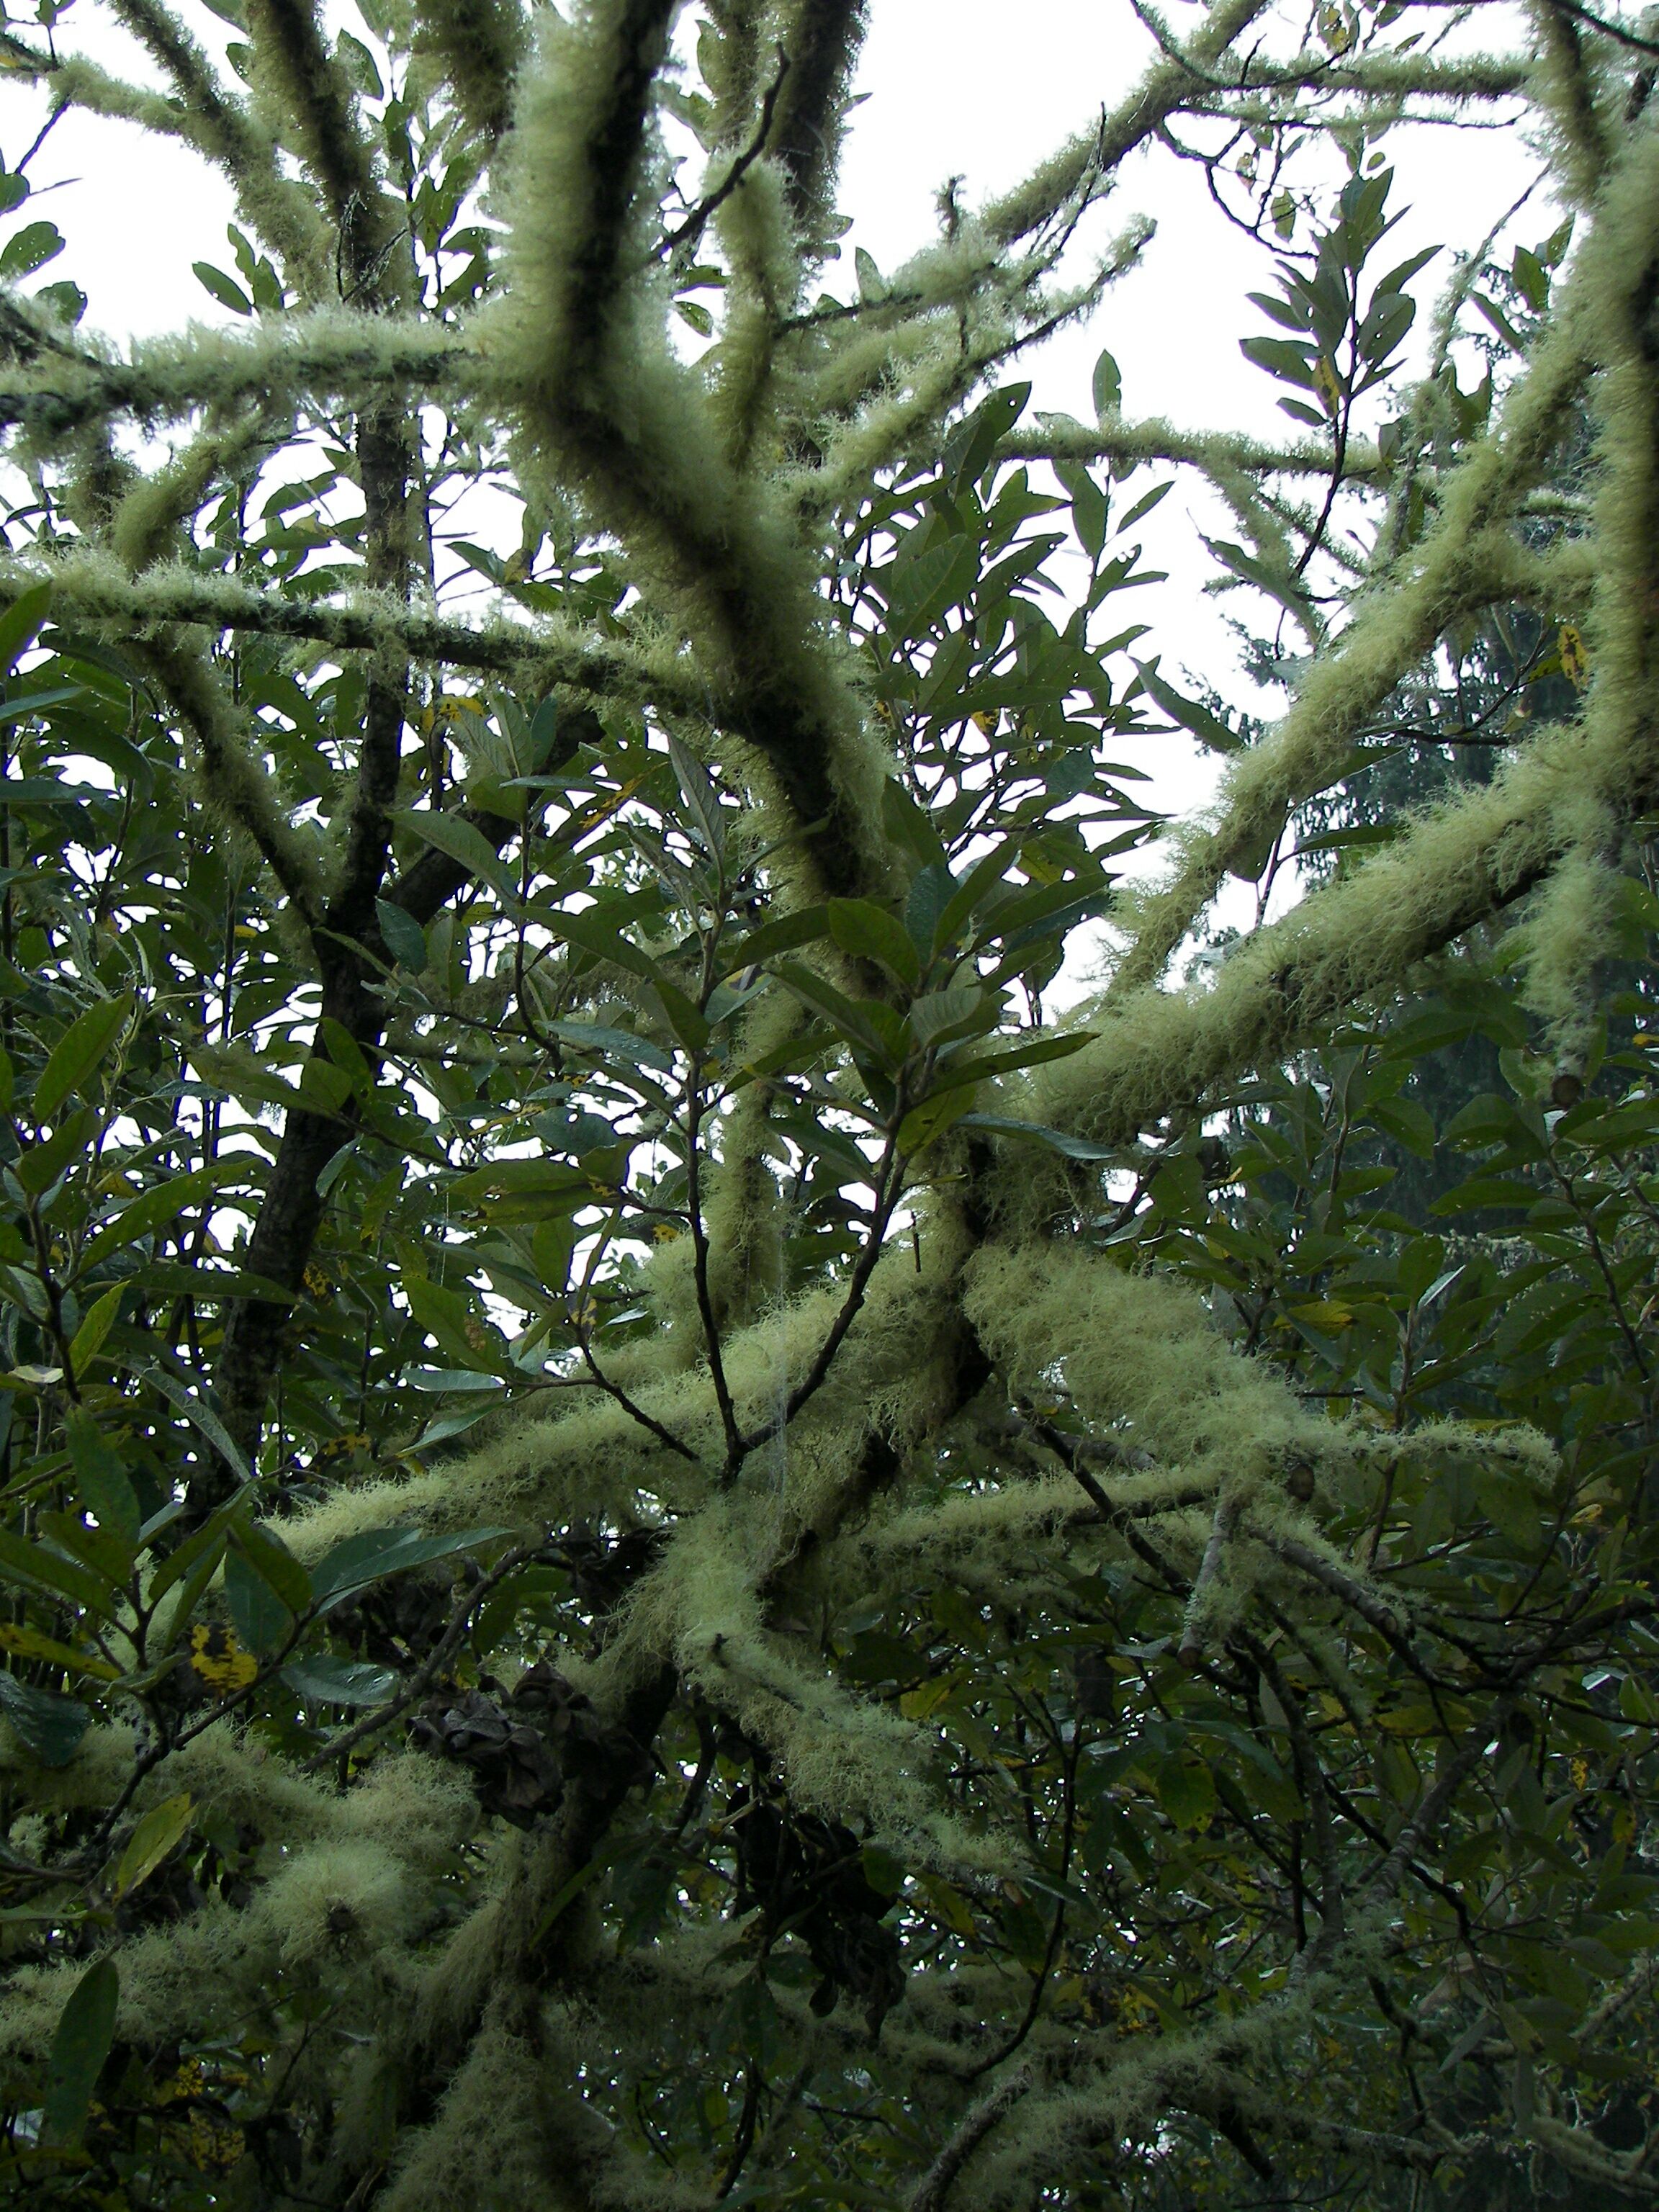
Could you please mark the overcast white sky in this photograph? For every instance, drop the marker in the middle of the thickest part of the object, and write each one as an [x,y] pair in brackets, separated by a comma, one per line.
[976,88]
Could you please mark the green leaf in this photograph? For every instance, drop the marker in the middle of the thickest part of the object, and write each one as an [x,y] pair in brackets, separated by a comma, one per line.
[614,1044]
[1059,1140]
[1088,505]
[39,1166]
[360,66]
[873,285]
[1029,1054]
[358,1561]
[198,1553]
[701,799]
[852,1020]
[156,1207]
[1186,1791]
[20,623]
[908,827]
[869,932]
[689,1024]
[404,938]
[203,1418]
[265,1550]
[968,896]
[1207,727]
[457,839]
[225,289]
[96,1325]
[788,934]
[1288,359]
[1145,505]
[328,1681]
[100,1480]
[939,1016]
[263,1621]
[594,929]
[45,1723]
[446,1379]
[78,1052]
[85,2029]
[937,1113]
[149,1843]
[29,249]
[970,448]
[29,1643]
[38,1566]
[1108,387]
[64,302]
[933,889]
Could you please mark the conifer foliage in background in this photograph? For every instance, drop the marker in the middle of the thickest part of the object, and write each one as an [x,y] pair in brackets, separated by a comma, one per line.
[661,1543]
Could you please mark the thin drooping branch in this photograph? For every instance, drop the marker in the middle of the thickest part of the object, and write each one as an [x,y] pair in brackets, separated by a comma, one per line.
[932,2193]
[304,358]
[1120,441]
[543,656]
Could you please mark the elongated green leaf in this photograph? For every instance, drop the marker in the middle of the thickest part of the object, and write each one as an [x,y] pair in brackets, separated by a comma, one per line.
[937,1112]
[689,1024]
[100,1480]
[462,842]
[851,1020]
[85,2029]
[452,1378]
[259,1544]
[870,932]
[263,1621]
[29,1643]
[432,1305]
[77,1054]
[701,799]
[149,1843]
[1057,1140]
[406,940]
[95,1326]
[1207,727]
[39,1166]
[620,1044]
[225,289]
[1287,358]
[38,1566]
[45,1723]
[1108,385]
[787,934]
[21,624]
[596,931]
[156,1208]
[358,1561]
[1028,1054]
[207,1542]
[328,1681]
[203,1418]
[971,446]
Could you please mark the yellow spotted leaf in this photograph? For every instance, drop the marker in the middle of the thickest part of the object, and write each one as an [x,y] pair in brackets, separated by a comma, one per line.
[219,1659]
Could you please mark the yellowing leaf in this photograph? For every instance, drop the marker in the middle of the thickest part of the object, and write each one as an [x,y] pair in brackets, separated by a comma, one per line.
[30,1644]
[220,1660]
[1322,1314]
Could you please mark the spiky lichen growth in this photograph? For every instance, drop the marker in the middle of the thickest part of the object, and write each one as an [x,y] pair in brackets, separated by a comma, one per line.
[667,917]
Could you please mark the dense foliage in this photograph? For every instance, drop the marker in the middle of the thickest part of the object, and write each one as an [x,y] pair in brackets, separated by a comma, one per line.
[676,1531]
